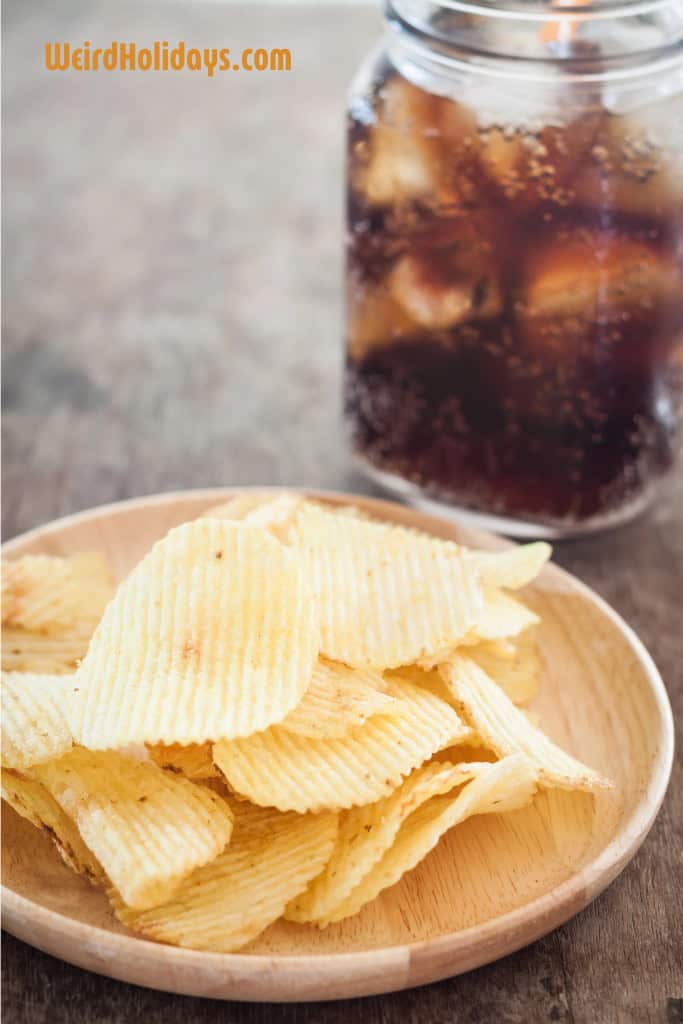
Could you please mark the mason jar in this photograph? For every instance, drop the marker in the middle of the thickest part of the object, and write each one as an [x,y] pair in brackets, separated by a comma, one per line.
[515,259]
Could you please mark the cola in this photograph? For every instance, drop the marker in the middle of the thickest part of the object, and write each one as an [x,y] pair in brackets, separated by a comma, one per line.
[515,301]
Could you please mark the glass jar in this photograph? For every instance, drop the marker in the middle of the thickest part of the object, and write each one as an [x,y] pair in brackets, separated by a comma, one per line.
[515,259]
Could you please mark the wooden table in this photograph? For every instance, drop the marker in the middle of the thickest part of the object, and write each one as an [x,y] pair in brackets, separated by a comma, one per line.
[172,319]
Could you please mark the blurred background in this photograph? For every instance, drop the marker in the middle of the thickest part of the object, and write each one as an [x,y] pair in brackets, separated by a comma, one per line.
[173,256]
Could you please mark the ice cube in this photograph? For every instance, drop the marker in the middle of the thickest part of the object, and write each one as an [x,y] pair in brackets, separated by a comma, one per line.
[436,299]
[407,108]
[589,274]
[531,167]
[520,104]
[374,318]
[593,299]
[458,127]
[431,303]
[568,146]
[660,122]
[652,195]
[634,164]
[405,155]
[505,158]
[649,101]
[399,169]
[462,181]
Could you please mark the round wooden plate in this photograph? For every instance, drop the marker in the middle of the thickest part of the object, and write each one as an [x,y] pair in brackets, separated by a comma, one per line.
[492,885]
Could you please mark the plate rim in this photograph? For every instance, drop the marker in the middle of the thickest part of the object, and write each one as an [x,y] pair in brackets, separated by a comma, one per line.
[367,971]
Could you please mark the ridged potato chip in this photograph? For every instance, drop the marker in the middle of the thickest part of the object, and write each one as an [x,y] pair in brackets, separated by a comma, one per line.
[33,801]
[149,829]
[248,503]
[218,785]
[337,699]
[427,678]
[213,635]
[501,618]
[354,511]
[299,773]
[514,664]
[387,596]
[464,753]
[45,653]
[193,761]
[47,593]
[50,609]
[469,747]
[507,730]
[513,568]
[365,834]
[278,516]
[274,511]
[226,904]
[495,788]
[34,728]
[240,505]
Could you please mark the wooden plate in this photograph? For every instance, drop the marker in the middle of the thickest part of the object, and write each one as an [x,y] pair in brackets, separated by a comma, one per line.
[492,885]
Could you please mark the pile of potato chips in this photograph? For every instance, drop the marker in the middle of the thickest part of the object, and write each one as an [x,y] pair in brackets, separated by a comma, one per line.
[279,712]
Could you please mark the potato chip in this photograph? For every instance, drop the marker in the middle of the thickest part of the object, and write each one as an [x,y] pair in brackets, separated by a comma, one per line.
[149,829]
[469,746]
[299,773]
[213,635]
[193,761]
[258,508]
[32,801]
[427,678]
[34,728]
[50,609]
[138,751]
[503,786]
[217,785]
[365,834]
[354,511]
[240,505]
[513,568]
[46,653]
[337,699]
[226,904]
[502,617]
[515,664]
[46,593]
[507,730]
[464,753]
[245,503]
[278,516]
[387,596]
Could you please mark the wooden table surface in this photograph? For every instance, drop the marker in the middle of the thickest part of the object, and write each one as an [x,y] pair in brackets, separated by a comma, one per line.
[172,319]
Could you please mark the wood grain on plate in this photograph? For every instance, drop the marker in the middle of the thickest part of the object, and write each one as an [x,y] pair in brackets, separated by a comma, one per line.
[492,885]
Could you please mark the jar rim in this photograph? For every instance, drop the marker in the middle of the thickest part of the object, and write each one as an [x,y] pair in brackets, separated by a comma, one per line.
[568,10]
[592,39]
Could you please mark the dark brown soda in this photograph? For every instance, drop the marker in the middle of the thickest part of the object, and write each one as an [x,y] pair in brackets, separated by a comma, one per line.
[556,395]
